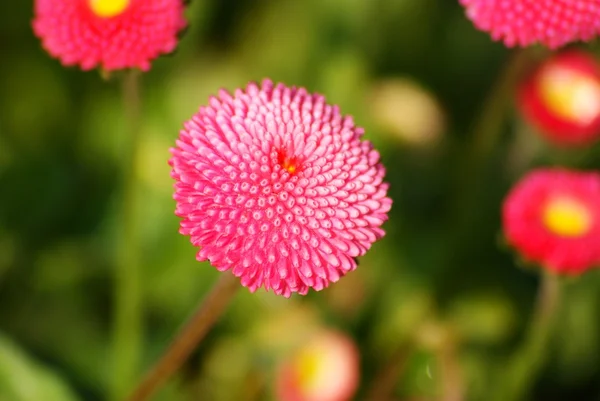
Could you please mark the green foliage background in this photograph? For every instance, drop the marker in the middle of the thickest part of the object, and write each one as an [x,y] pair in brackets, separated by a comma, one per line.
[442,261]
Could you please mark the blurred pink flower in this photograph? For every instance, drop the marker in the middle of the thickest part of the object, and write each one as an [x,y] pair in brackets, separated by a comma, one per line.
[552,217]
[276,185]
[326,368]
[111,34]
[562,98]
[552,23]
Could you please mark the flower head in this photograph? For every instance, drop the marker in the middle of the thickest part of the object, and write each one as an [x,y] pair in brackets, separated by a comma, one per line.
[552,23]
[323,369]
[277,185]
[552,217]
[111,34]
[562,98]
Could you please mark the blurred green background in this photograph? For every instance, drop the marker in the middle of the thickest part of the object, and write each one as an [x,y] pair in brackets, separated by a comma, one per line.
[414,73]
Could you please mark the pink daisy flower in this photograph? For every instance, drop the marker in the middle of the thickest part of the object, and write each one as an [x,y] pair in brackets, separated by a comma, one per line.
[111,34]
[562,98]
[277,185]
[552,217]
[552,23]
[326,368]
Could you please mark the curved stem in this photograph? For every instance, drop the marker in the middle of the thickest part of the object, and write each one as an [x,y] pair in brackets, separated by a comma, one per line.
[530,356]
[452,383]
[485,136]
[127,302]
[386,379]
[207,313]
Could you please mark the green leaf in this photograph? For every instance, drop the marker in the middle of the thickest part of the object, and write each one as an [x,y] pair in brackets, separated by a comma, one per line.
[23,379]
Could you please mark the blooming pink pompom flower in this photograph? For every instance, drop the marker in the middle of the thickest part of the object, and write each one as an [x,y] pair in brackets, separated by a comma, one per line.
[552,23]
[552,217]
[276,185]
[326,368]
[562,98]
[111,34]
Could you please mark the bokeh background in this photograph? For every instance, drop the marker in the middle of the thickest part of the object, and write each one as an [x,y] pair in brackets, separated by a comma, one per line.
[414,73]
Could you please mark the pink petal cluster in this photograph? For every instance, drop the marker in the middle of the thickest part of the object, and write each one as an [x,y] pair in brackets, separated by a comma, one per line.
[562,98]
[73,33]
[325,368]
[526,230]
[277,186]
[552,23]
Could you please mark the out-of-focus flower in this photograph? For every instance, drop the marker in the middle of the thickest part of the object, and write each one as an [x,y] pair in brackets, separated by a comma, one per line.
[552,23]
[405,109]
[562,98]
[326,368]
[277,185]
[552,217]
[111,34]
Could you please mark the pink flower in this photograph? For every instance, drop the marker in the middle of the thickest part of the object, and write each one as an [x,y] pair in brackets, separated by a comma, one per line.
[552,23]
[111,34]
[276,185]
[552,217]
[326,368]
[562,98]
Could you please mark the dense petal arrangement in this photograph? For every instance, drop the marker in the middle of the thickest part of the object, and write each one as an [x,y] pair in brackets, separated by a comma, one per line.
[326,368]
[562,98]
[552,23]
[111,34]
[276,185]
[552,217]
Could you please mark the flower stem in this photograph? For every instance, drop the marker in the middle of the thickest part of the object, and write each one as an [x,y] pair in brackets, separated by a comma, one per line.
[386,379]
[452,383]
[530,356]
[189,337]
[485,136]
[128,317]
[488,126]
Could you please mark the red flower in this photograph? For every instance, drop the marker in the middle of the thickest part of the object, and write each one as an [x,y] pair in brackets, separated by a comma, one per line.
[562,98]
[323,369]
[111,34]
[552,217]
[278,186]
[552,23]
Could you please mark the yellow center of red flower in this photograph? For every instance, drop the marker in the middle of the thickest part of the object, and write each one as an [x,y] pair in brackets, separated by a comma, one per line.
[567,217]
[108,8]
[570,94]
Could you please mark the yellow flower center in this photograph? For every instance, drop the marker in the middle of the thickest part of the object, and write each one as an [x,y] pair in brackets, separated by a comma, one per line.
[567,217]
[289,165]
[308,365]
[571,94]
[108,8]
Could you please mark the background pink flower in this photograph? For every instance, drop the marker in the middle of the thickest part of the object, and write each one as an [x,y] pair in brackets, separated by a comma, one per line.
[562,98]
[552,23]
[276,185]
[552,217]
[325,368]
[111,34]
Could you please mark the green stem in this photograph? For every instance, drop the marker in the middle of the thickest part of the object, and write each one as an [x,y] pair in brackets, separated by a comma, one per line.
[206,315]
[128,316]
[452,383]
[488,126]
[386,379]
[485,136]
[530,356]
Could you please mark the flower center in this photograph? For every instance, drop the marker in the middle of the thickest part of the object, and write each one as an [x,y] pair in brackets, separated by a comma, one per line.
[567,217]
[308,369]
[291,164]
[108,8]
[570,94]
